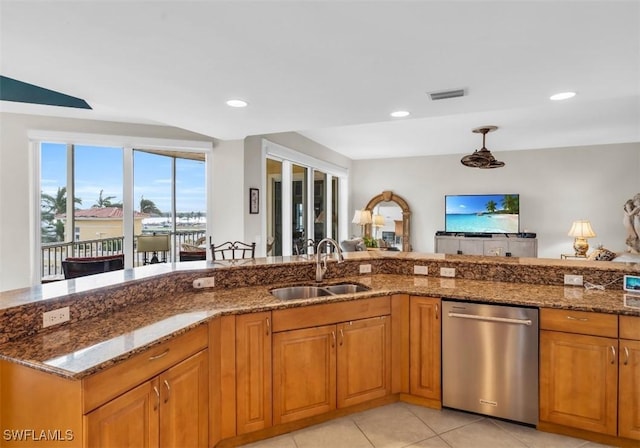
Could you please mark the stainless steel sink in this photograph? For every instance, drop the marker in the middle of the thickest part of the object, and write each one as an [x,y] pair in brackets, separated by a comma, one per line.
[308,292]
[349,288]
[299,292]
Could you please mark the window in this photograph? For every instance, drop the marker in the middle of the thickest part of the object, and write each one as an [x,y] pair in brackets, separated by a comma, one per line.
[304,201]
[119,193]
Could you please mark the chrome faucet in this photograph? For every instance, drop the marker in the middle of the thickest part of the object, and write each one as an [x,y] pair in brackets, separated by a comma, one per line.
[321,259]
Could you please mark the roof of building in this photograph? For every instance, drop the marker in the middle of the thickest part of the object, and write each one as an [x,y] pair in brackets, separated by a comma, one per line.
[101,213]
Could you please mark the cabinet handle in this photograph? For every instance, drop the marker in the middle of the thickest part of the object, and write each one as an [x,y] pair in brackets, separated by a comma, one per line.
[437,313]
[333,336]
[581,319]
[155,407]
[613,354]
[341,336]
[626,356]
[154,357]
[268,327]
[166,384]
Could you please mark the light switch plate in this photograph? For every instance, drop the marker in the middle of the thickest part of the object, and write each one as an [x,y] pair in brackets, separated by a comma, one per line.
[365,268]
[420,270]
[447,272]
[204,282]
[574,280]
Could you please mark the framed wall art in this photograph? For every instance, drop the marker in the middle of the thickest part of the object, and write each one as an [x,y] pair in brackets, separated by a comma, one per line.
[254,201]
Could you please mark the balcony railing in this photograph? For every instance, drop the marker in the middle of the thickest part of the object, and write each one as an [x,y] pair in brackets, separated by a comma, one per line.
[54,253]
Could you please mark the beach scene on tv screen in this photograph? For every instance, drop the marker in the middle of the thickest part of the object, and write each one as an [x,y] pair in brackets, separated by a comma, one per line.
[497,213]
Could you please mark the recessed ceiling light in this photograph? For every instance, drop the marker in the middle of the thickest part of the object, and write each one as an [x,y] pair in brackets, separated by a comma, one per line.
[562,96]
[237,103]
[400,114]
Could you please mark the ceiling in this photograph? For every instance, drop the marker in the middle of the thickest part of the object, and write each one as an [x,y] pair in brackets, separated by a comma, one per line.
[334,70]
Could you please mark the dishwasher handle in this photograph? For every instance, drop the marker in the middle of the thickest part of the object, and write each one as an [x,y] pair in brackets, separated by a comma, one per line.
[503,320]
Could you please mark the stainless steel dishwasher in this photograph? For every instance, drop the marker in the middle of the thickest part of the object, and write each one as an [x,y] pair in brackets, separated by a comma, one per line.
[490,360]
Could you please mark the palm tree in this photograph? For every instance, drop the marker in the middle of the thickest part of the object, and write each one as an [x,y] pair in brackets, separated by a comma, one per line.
[491,206]
[106,202]
[149,207]
[55,205]
[511,204]
[50,207]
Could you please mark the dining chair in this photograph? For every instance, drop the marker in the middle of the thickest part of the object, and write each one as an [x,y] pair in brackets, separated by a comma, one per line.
[233,250]
[73,267]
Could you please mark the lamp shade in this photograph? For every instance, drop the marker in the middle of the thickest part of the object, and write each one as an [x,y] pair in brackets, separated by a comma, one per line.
[581,229]
[378,221]
[362,217]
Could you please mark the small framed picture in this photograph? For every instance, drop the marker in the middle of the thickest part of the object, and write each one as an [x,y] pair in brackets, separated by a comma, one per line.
[254,201]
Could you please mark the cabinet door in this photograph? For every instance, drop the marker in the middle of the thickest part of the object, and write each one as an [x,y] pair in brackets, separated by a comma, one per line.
[472,246]
[304,373]
[629,396]
[447,245]
[523,247]
[579,381]
[184,399]
[253,372]
[130,420]
[424,342]
[364,360]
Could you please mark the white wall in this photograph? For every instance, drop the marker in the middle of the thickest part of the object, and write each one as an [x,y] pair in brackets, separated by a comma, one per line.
[556,187]
[16,185]
[227,206]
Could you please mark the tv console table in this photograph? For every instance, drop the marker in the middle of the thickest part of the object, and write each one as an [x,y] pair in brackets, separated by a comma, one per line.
[500,245]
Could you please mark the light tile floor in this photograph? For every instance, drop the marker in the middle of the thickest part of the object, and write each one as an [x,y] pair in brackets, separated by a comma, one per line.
[402,425]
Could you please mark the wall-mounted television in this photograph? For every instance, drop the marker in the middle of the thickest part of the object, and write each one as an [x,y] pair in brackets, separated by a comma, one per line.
[482,213]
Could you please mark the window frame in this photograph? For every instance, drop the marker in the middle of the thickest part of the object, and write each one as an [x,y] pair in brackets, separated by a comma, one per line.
[289,157]
[128,144]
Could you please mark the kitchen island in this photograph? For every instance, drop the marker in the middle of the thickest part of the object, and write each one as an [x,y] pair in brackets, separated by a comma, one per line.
[121,320]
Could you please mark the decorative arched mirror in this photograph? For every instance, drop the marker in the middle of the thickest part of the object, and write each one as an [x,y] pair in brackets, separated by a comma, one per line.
[391,218]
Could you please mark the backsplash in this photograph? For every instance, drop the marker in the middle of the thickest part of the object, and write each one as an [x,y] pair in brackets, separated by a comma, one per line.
[22,320]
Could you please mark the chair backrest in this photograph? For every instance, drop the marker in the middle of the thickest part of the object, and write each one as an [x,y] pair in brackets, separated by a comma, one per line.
[233,251]
[193,255]
[79,267]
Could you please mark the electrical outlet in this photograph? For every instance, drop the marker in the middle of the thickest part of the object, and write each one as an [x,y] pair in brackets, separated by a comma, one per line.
[574,280]
[420,270]
[365,269]
[447,272]
[55,317]
[204,282]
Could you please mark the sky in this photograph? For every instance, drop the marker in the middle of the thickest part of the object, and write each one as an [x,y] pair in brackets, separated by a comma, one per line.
[100,168]
[471,203]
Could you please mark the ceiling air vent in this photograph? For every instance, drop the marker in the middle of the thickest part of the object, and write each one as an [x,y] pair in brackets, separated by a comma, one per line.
[446,94]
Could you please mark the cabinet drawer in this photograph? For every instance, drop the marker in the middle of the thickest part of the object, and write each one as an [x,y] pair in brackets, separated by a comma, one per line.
[630,327]
[330,313]
[109,383]
[582,322]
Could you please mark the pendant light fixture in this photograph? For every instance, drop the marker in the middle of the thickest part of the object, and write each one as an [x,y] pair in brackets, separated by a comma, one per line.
[482,158]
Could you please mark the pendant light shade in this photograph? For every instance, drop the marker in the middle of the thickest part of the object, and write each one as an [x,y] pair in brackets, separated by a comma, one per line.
[482,158]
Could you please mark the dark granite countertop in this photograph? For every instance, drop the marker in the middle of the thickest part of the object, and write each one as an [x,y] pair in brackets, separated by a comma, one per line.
[80,349]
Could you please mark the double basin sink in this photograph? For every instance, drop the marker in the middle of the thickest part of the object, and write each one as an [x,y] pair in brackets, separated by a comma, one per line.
[309,292]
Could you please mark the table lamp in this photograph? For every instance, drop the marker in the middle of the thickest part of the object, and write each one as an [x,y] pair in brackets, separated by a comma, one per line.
[581,230]
[362,218]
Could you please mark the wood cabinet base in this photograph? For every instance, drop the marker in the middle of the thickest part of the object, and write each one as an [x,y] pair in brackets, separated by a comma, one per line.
[587,435]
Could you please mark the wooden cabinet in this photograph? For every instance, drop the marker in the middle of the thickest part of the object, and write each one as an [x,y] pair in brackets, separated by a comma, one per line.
[304,373]
[330,364]
[253,372]
[424,342]
[158,397]
[169,410]
[496,245]
[579,370]
[364,360]
[629,381]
